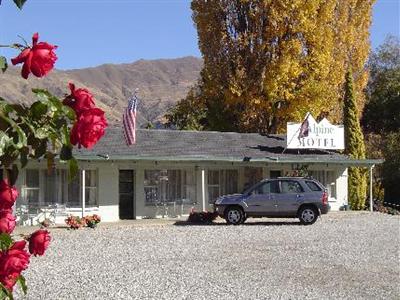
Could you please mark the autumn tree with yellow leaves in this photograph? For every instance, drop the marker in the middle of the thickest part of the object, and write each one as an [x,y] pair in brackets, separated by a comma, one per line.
[269,62]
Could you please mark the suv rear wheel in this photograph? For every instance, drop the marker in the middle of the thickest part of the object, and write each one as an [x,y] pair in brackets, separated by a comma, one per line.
[234,215]
[308,215]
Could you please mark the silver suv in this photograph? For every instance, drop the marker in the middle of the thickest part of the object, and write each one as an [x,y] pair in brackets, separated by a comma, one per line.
[296,197]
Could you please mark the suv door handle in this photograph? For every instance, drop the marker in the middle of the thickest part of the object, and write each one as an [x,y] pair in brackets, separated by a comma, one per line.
[299,195]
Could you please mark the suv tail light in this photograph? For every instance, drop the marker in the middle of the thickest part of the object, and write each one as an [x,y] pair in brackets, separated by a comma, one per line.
[325,198]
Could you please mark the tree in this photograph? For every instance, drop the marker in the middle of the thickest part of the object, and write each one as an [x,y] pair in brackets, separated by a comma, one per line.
[269,62]
[382,110]
[355,148]
[391,168]
[381,117]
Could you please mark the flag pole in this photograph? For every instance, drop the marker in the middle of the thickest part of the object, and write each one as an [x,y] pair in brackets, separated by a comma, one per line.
[307,115]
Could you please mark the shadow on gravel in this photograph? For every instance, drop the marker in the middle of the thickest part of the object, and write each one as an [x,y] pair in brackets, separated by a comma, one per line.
[284,223]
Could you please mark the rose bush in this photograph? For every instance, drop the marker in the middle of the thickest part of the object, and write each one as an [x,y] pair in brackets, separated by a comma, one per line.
[48,128]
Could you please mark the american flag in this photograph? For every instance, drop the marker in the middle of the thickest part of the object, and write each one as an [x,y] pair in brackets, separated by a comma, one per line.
[129,121]
[304,128]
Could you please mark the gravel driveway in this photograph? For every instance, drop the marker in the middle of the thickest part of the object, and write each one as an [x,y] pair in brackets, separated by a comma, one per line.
[344,255]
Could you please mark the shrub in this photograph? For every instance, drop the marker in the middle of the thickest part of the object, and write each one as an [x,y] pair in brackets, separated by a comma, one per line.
[75,222]
[92,221]
[201,217]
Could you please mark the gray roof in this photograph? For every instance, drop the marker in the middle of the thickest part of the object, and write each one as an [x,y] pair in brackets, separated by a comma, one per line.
[176,145]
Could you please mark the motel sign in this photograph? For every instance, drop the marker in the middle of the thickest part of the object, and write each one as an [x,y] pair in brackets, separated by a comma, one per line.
[313,135]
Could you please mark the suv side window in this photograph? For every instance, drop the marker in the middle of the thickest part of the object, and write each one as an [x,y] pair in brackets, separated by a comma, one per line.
[291,186]
[267,187]
[313,186]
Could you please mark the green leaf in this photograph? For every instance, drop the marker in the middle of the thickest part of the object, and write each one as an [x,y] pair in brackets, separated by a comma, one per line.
[4,142]
[66,152]
[45,96]
[5,293]
[69,112]
[38,109]
[19,3]
[5,241]
[21,140]
[22,283]
[73,168]
[42,133]
[3,64]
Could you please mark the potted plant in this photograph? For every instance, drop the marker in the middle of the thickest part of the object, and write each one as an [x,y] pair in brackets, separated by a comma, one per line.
[92,221]
[74,222]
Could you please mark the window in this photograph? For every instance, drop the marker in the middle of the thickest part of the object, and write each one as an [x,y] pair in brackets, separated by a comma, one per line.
[264,188]
[162,186]
[173,185]
[222,182]
[91,187]
[267,187]
[46,188]
[32,186]
[189,187]
[151,186]
[213,185]
[74,192]
[313,186]
[288,186]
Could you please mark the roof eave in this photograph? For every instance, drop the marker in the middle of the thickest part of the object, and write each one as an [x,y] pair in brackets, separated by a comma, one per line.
[269,159]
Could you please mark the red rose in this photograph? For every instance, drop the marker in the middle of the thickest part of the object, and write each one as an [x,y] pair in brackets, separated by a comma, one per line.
[14,260]
[12,263]
[9,280]
[8,195]
[79,100]
[39,59]
[7,222]
[89,128]
[39,241]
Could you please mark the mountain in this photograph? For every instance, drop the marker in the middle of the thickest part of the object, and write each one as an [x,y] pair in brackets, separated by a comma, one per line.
[161,84]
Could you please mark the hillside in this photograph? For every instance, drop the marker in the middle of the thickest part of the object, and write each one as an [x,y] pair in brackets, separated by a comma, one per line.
[161,84]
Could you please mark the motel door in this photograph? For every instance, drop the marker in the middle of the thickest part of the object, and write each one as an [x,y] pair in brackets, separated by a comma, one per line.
[126,194]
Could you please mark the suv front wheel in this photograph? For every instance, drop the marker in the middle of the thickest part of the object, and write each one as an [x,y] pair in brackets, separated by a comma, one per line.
[234,215]
[308,215]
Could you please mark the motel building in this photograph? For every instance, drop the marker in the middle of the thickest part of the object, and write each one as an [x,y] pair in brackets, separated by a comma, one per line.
[168,172]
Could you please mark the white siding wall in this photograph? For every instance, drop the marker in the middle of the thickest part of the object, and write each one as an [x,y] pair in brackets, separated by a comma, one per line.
[108,192]
[108,181]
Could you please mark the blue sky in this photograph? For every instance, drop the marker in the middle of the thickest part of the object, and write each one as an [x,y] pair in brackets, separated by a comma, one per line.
[93,32]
